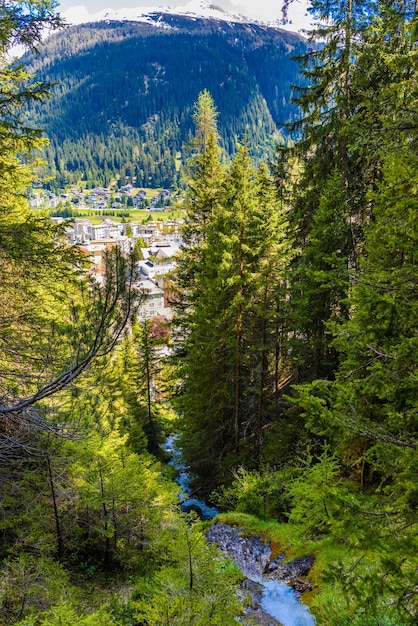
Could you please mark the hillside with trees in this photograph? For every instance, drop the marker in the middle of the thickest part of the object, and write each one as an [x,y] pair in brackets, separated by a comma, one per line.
[299,366]
[124,95]
[292,380]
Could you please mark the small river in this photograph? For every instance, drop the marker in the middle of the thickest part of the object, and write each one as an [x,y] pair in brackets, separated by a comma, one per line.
[183,479]
[278,600]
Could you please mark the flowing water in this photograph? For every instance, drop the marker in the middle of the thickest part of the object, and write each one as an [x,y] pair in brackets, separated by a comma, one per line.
[278,600]
[183,479]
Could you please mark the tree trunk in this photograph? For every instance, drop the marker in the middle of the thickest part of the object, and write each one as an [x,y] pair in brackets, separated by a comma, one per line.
[55,507]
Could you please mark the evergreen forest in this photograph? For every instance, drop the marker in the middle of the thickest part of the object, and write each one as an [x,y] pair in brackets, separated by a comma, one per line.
[292,383]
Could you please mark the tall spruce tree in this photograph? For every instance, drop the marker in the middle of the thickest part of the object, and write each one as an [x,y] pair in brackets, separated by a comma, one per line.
[267,341]
[197,282]
[369,413]
[230,309]
[344,131]
[332,261]
[335,170]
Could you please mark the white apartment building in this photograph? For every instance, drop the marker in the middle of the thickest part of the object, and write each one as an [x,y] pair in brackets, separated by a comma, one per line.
[153,300]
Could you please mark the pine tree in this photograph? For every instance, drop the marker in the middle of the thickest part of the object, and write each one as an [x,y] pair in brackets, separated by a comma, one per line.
[204,183]
[378,342]
[143,378]
[372,134]
[255,254]
[193,585]
[320,283]
[332,184]
[368,413]
[197,284]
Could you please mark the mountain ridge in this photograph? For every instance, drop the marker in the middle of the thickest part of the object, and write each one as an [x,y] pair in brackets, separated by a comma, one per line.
[194,9]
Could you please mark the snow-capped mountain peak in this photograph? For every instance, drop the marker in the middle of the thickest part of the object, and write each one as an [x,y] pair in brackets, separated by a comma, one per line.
[193,9]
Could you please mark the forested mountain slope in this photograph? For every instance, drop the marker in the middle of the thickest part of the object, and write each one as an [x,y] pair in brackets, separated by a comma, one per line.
[124,94]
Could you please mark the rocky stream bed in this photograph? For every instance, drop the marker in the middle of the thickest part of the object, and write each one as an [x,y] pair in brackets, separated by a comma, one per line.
[273,586]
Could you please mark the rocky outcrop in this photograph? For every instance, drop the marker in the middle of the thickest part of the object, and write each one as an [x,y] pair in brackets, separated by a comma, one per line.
[254,613]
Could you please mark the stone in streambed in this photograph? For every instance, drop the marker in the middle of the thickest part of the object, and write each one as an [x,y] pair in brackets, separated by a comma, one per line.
[250,553]
[291,573]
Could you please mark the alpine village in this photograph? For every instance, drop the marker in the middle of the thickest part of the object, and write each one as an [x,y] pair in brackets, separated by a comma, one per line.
[209,316]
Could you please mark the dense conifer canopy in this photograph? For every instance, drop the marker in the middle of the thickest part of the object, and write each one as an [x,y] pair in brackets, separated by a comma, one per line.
[295,366]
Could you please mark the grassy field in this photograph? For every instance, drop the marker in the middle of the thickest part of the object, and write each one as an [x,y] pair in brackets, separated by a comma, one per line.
[136,216]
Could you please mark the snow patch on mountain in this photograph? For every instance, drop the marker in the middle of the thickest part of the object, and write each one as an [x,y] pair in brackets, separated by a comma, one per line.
[194,9]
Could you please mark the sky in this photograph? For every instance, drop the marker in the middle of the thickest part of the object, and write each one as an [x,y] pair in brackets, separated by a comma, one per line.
[266,10]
